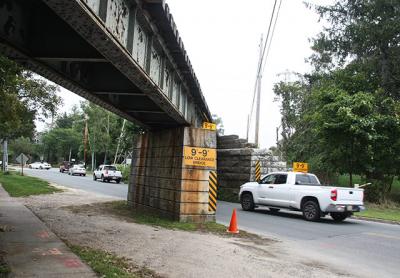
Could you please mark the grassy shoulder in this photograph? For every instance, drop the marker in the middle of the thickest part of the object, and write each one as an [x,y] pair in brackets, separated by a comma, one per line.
[121,210]
[381,212]
[108,265]
[21,186]
[4,268]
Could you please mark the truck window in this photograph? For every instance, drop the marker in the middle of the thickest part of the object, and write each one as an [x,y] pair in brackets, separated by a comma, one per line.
[306,179]
[111,168]
[280,179]
[268,179]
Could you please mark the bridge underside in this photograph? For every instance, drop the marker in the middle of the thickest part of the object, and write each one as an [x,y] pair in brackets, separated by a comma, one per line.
[126,56]
[67,43]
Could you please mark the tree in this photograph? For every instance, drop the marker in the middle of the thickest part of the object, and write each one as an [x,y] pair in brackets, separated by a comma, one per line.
[24,97]
[293,98]
[58,143]
[104,132]
[22,145]
[365,32]
[344,116]
[220,125]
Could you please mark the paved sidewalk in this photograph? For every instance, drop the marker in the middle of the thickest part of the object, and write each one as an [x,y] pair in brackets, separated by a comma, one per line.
[31,249]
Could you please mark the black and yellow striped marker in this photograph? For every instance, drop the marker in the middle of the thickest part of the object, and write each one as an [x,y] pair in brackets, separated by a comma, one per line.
[258,171]
[212,191]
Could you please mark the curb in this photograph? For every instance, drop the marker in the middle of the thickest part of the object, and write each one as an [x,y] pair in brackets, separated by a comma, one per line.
[376,220]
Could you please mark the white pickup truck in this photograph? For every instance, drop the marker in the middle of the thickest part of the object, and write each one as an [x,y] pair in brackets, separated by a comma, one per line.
[301,192]
[107,173]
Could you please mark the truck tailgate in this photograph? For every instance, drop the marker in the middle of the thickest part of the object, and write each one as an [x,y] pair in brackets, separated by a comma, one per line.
[349,195]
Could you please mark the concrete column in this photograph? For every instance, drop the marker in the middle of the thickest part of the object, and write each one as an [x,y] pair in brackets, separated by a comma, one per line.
[165,181]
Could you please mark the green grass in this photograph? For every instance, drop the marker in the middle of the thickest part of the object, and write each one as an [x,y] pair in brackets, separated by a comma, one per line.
[4,271]
[21,186]
[343,180]
[121,210]
[383,212]
[108,265]
[4,268]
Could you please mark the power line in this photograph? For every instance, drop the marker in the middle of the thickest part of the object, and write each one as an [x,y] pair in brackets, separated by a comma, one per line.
[262,56]
[272,36]
[262,61]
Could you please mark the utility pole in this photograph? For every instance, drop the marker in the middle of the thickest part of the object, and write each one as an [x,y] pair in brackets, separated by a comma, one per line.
[259,77]
[108,137]
[85,139]
[5,155]
[247,130]
[119,141]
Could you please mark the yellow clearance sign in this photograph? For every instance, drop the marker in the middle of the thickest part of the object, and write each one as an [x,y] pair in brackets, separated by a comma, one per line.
[209,126]
[300,167]
[202,157]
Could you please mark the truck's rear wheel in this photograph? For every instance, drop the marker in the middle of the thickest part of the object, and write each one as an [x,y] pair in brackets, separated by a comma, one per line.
[311,211]
[247,201]
[339,216]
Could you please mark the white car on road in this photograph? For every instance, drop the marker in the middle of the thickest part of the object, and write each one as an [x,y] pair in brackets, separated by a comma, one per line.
[40,165]
[78,169]
[301,192]
[107,173]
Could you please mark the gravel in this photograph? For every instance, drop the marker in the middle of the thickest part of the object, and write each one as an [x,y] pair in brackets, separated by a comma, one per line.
[169,253]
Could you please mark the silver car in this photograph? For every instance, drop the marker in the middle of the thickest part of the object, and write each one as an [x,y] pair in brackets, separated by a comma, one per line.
[77,169]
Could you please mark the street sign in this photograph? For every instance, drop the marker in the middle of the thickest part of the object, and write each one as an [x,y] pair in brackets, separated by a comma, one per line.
[22,159]
[300,167]
[203,157]
[209,126]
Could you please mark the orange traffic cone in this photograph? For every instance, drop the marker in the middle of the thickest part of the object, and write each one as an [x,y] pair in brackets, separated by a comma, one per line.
[233,229]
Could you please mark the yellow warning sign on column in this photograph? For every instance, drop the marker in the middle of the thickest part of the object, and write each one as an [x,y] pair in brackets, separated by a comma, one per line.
[212,191]
[300,167]
[203,157]
[258,171]
[210,126]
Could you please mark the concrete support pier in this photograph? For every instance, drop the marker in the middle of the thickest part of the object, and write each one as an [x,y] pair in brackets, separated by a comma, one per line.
[170,173]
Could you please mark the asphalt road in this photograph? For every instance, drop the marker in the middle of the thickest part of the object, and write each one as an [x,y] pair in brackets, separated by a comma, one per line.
[368,249]
[85,183]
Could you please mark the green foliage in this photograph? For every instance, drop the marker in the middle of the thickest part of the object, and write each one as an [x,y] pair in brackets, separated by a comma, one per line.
[57,143]
[344,117]
[22,145]
[24,97]
[220,125]
[125,171]
[4,268]
[22,186]
[365,32]
[104,133]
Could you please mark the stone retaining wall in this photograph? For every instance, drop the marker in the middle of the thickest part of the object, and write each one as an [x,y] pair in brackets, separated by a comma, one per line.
[236,165]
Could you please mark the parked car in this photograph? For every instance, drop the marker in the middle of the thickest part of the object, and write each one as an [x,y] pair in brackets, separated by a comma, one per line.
[301,192]
[77,169]
[65,165]
[107,173]
[40,165]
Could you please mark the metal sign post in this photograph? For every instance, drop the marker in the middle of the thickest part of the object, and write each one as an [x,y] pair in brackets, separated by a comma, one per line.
[22,159]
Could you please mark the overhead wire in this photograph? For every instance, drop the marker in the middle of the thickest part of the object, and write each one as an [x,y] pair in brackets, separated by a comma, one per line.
[261,63]
[272,36]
